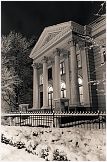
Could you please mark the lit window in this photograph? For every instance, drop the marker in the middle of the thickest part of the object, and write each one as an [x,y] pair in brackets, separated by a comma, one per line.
[80,90]
[41,79]
[63,90]
[80,81]
[50,89]
[103,55]
[79,60]
[50,96]
[62,68]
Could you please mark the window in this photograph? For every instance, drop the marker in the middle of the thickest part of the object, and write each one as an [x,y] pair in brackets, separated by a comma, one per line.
[62,68]
[41,79]
[79,60]
[103,55]
[63,89]
[50,96]
[50,73]
[80,90]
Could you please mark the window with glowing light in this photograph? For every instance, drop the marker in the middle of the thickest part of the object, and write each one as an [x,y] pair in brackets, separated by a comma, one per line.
[103,55]
[63,89]
[80,81]
[50,95]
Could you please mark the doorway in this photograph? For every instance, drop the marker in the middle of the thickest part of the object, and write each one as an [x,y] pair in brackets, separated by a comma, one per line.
[41,99]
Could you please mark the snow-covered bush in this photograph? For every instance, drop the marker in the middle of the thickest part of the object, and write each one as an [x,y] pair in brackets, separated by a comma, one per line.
[59,155]
[42,150]
[20,145]
[72,145]
[5,121]
[31,146]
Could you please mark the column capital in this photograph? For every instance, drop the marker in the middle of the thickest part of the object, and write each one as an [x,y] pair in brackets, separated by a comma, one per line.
[57,52]
[35,65]
[72,42]
[81,44]
[66,54]
[44,60]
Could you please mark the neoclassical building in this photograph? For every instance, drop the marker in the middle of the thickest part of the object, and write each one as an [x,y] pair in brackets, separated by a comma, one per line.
[69,67]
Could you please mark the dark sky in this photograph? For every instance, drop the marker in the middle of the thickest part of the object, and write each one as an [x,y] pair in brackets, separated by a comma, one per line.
[30,17]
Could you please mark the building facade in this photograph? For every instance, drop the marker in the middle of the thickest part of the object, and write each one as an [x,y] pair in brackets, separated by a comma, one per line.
[69,67]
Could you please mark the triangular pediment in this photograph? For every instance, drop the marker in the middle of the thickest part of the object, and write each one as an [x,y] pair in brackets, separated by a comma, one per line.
[49,37]
[50,34]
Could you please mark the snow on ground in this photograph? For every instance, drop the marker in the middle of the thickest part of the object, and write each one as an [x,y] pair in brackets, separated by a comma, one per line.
[61,144]
[10,153]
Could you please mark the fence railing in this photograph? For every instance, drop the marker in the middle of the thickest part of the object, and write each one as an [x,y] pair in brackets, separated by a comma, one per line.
[89,120]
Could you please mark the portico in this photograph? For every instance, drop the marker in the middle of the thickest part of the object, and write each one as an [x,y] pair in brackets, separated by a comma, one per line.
[56,55]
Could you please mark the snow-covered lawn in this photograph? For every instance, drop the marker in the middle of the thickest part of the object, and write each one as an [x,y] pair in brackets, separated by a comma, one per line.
[10,153]
[74,144]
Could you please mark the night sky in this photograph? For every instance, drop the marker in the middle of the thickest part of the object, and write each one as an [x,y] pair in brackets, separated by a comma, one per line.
[30,17]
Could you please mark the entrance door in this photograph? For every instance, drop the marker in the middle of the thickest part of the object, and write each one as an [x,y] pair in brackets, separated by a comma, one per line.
[64,106]
[41,99]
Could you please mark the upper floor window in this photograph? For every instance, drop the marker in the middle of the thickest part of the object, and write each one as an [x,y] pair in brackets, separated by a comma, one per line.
[79,60]
[103,55]
[50,73]
[41,79]
[62,68]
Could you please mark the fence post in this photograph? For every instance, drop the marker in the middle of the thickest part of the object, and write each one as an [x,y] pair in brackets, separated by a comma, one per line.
[99,119]
[10,122]
[53,119]
[20,118]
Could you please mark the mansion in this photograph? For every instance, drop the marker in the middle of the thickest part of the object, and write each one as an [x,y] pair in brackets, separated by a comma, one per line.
[69,69]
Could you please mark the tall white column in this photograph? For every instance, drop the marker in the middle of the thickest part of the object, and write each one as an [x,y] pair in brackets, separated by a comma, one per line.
[57,84]
[35,86]
[75,98]
[86,97]
[67,76]
[45,83]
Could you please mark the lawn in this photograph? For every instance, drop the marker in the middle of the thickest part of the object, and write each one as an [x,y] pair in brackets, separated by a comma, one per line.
[59,144]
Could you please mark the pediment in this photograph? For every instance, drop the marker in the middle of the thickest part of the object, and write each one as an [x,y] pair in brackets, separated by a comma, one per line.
[49,35]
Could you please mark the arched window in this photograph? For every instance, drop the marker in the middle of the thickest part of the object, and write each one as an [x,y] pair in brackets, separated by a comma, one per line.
[50,96]
[63,89]
[80,81]
[103,54]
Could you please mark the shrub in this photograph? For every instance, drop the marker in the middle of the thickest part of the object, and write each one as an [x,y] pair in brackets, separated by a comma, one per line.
[20,145]
[42,150]
[59,155]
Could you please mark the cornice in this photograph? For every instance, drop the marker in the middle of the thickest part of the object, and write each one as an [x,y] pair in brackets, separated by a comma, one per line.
[98,27]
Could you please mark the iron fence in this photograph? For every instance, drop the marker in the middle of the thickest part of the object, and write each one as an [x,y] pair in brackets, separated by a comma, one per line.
[88,120]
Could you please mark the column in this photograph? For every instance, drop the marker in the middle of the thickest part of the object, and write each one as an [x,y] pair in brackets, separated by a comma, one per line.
[45,83]
[85,76]
[35,86]
[57,79]
[67,75]
[75,98]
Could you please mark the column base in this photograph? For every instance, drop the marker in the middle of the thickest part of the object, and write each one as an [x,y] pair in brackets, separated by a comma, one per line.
[77,108]
[45,107]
